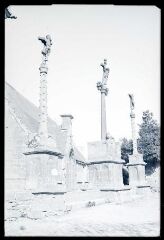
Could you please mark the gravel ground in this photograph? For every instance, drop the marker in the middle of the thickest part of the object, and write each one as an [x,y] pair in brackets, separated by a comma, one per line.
[140,217]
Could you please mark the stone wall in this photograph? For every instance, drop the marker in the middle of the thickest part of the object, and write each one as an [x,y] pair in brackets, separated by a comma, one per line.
[15,144]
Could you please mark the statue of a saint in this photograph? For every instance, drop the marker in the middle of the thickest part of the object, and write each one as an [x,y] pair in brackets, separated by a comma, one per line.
[131,101]
[47,45]
[105,72]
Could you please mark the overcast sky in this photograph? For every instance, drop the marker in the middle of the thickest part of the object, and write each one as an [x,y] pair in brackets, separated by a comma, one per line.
[83,35]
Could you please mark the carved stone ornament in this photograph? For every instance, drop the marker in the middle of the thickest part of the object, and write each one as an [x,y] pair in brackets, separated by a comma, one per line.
[47,42]
[131,101]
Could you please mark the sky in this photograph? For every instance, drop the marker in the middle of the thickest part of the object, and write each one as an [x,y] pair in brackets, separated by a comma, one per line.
[82,36]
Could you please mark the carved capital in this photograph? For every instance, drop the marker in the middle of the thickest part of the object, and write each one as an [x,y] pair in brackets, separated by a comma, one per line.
[105,90]
[43,69]
[99,86]
[102,88]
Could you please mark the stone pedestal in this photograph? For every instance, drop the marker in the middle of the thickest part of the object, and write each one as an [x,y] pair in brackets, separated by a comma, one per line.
[44,171]
[136,168]
[105,164]
[105,174]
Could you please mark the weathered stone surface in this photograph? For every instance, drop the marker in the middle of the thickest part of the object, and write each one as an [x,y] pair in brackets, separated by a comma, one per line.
[136,168]
[105,163]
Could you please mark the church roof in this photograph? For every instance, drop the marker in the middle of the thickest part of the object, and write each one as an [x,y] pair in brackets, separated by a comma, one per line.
[28,113]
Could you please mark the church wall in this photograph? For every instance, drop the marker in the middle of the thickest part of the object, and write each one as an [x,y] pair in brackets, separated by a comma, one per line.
[15,139]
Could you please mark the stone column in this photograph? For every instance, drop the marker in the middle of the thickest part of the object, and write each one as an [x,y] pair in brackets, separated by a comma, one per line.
[43,133]
[66,128]
[136,164]
[102,87]
[132,115]
[43,153]
[103,116]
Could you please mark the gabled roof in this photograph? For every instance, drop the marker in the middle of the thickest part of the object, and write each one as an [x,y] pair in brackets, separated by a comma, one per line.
[29,115]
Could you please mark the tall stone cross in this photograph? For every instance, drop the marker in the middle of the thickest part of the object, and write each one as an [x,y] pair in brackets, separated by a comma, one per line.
[132,115]
[43,132]
[102,87]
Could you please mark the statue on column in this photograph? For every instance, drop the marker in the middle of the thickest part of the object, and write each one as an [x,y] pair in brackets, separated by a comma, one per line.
[47,42]
[131,101]
[102,85]
[105,72]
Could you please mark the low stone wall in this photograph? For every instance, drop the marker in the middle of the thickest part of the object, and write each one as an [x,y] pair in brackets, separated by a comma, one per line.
[36,206]
[143,190]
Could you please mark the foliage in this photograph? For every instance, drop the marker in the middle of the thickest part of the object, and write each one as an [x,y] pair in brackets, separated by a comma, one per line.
[149,141]
[126,149]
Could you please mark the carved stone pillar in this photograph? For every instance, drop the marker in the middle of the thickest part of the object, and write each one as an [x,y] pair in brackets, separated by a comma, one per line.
[43,155]
[43,133]
[132,115]
[66,128]
[136,164]
[101,86]
[134,139]
[103,116]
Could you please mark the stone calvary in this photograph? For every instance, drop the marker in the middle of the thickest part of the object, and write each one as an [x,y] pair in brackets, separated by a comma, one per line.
[42,160]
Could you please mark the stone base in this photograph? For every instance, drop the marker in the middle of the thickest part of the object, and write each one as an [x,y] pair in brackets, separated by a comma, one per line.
[136,168]
[40,204]
[136,159]
[44,172]
[17,196]
[100,151]
[105,174]
[143,190]
[117,195]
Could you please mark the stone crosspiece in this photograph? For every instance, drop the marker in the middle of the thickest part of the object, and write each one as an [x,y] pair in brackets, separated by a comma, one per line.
[132,115]
[102,87]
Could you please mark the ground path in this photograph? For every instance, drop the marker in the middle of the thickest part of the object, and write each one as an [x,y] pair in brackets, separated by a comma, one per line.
[136,218]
